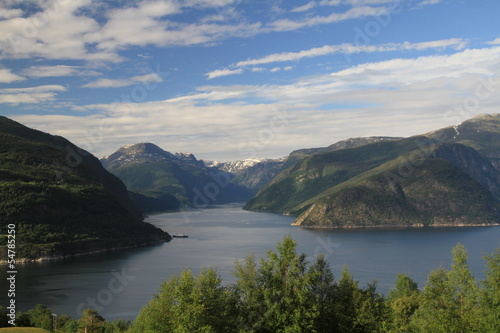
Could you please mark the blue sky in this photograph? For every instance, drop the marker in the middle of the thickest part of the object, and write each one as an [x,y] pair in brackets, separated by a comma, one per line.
[235,79]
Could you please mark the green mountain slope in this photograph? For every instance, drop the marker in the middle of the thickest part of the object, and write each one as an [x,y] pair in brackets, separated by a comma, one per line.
[311,176]
[60,198]
[412,181]
[171,179]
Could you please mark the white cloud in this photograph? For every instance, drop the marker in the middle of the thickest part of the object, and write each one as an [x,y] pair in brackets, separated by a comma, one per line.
[54,32]
[355,12]
[494,42]
[145,24]
[58,70]
[67,29]
[119,83]
[6,13]
[29,95]
[305,7]
[455,43]
[223,72]
[429,2]
[6,76]
[36,89]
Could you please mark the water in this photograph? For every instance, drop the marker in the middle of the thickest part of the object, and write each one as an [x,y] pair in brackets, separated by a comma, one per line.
[120,283]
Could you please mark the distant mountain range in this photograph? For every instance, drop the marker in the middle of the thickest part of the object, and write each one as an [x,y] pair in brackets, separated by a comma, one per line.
[448,177]
[250,173]
[61,199]
[162,181]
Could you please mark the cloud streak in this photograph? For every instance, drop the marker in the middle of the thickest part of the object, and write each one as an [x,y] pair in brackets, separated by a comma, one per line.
[6,76]
[29,95]
[120,83]
[453,43]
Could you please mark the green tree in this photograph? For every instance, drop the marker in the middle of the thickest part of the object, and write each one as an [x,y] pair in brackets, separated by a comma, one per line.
[41,317]
[490,294]
[358,310]
[91,322]
[23,320]
[465,292]
[187,304]
[450,300]
[67,324]
[322,290]
[250,295]
[117,326]
[285,285]
[403,301]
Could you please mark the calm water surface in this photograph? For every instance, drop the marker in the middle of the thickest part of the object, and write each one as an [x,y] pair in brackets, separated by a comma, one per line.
[119,284]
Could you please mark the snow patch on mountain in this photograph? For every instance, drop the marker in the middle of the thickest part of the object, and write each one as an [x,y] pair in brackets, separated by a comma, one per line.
[240,165]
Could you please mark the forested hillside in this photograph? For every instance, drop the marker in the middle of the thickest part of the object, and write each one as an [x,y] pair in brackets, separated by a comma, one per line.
[61,200]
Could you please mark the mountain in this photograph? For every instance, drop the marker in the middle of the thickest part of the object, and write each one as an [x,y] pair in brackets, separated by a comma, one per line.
[250,173]
[60,198]
[299,154]
[160,180]
[435,179]
[481,133]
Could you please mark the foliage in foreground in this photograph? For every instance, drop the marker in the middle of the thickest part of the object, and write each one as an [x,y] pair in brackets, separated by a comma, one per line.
[283,293]
[42,317]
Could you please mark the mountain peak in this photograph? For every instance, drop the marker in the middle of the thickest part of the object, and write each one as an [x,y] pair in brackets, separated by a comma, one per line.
[145,152]
[137,153]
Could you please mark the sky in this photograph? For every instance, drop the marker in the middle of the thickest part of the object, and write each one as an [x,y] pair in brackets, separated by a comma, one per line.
[235,79]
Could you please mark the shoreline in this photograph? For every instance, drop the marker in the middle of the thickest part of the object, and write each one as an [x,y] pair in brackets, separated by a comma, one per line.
[69,256]
[386,226]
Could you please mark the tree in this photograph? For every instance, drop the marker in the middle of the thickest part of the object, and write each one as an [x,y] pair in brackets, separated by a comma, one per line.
[286,297]
[465,292]
[450,300]
[403,301]
[322,290]
[187,304]
[490,294]
[41,317]
[249,293]
[23,320]
[91,322]
[358,310]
